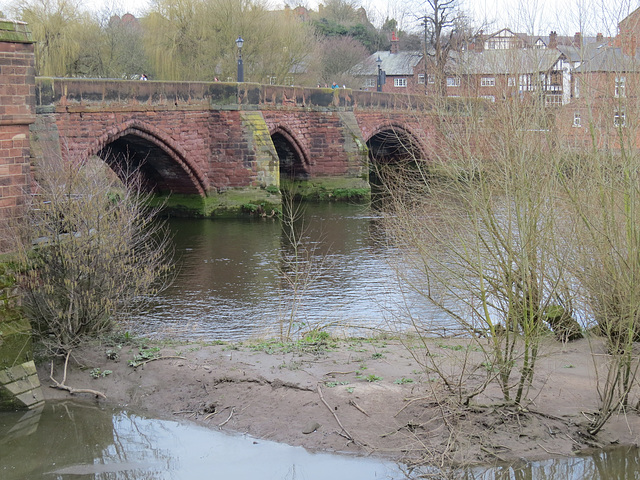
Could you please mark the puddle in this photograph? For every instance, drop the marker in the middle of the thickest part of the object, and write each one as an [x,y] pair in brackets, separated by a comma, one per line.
[68,440]
[75,441]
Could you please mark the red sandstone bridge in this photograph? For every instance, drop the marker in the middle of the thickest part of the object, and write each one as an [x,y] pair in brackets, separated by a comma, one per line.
[215,140]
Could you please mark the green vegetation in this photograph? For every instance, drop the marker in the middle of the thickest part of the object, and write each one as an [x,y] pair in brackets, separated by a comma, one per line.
[167,41]
[402,381]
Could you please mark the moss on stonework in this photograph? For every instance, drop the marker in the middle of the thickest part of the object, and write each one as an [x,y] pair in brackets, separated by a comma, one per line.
[15,342]
[329,189]
[17,32]
[229,204]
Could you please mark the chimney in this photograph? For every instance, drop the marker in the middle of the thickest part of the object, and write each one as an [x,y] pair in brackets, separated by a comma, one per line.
[394,43]
[577,40]
[629,47]
[553,40]
[599,38]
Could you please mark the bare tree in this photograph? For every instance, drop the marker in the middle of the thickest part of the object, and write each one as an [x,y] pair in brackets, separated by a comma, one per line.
[445,29]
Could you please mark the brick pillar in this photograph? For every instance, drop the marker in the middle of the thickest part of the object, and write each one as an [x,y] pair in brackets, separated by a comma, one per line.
[19,384]
[17,112]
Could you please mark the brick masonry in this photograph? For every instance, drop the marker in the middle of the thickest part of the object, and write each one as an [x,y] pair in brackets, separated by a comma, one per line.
[216,137]
[17,112]
[19,384]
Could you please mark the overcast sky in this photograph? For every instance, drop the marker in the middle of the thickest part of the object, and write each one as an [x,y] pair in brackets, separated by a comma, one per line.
[528,16]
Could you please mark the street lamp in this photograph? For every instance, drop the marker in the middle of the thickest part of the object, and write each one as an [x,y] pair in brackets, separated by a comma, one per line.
[239,43]
[379,80]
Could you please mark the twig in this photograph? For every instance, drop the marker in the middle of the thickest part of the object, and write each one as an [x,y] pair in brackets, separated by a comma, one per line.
[144,362]
[353,403]
[71,390]
[338,373]
[409,403]
[391,433]
[484,449]
[553,453]
[347,434]
[233,409]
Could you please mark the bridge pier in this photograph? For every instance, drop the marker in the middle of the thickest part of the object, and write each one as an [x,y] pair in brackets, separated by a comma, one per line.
[19,384]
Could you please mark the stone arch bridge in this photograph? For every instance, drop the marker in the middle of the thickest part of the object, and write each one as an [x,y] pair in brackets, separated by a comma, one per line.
[229,144]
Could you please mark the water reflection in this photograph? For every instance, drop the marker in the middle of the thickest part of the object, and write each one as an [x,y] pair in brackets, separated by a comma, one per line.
[74,440]
[619,463]
[229,286]
[79,441]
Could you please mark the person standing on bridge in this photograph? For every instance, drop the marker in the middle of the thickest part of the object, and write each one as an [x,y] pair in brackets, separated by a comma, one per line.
[143,77]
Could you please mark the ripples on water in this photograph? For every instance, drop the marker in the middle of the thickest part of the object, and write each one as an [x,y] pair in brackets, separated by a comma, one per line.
[229,286]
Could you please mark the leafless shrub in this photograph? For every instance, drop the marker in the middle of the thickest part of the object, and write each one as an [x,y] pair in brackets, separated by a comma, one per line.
[479,227]
[90,251]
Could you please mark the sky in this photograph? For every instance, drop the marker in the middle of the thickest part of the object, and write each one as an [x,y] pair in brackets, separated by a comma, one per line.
[528,16]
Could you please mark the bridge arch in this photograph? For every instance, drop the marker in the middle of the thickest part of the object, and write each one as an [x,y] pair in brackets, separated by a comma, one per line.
[392,147]
[294,158]
[163,165]
[391,142]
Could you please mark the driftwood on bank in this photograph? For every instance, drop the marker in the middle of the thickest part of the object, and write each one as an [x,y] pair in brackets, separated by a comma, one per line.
[71,390]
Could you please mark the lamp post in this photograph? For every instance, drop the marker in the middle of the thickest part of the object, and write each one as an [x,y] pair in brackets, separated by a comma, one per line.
[239,43]
[379,80]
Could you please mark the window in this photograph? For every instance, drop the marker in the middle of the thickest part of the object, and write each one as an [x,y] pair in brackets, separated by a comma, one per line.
[488,82]
[577,121]
[620,86]
[511,82]
[553,100]
[288,81]
[526,83]
[491,98]
[619,119]
[272,80]
[421,79]
[431,79]
[453,81]
[399,82]
[370,83]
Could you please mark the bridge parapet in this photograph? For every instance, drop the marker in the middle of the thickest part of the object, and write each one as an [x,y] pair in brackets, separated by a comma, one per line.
[125,95]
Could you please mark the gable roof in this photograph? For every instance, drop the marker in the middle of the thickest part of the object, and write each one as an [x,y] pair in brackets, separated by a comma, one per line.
[514,61]
[608,59]
[394,64]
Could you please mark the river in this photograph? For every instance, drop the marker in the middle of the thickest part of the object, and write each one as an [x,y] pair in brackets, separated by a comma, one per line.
[230,283]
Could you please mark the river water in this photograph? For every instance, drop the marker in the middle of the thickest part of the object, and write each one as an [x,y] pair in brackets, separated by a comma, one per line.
[67,440]
[230,284]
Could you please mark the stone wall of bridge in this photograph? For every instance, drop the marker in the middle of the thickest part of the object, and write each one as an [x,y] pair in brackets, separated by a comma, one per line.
[217,139]
[17,112]
[19,384]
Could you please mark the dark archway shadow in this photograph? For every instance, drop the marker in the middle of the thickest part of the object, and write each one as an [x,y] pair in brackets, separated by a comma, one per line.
[293,163]
[161,169]
[392,151]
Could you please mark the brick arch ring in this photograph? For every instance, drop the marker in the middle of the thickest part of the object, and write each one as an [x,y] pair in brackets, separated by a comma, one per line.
[153,135]
[300,150]
[417,138]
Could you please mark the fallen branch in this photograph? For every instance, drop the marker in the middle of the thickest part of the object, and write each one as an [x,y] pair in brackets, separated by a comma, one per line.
[61,385]
[346,433]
